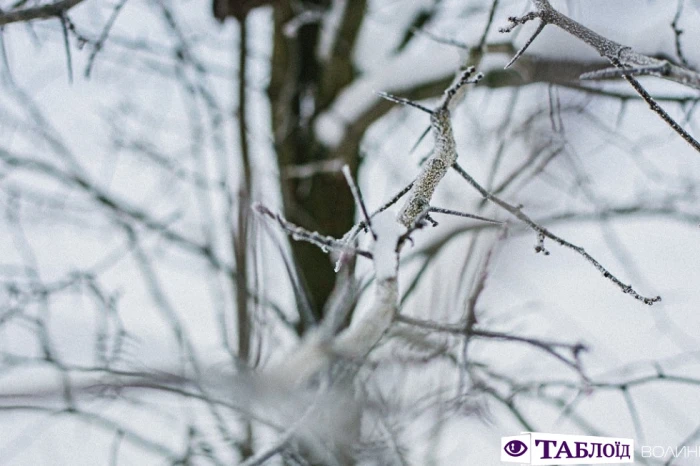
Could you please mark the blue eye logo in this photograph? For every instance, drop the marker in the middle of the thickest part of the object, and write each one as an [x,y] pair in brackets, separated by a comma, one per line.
[515,448]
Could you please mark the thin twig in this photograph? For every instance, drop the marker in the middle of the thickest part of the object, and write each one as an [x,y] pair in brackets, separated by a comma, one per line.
[522,50]
[66,45]
[358,199]
[547,346]
[677,31]
[656,108]
[487,28]
[634,413]
[97,46]
[542,231]
[352,234]
[451,92]
[444,154]
[439,210]
[300,234]
[403,101]
[439,39]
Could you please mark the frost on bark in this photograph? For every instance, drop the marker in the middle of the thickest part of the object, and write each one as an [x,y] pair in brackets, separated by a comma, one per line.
[443,156]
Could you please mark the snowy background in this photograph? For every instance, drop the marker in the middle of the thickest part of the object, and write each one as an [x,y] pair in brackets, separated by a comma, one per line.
[137,131]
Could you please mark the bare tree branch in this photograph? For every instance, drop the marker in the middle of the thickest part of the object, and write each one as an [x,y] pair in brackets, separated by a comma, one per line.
[626,61]
[543,232]
[50,10]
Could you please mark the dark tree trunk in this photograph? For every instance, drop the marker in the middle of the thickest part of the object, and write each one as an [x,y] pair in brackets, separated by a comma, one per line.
[238,9]
[322,202]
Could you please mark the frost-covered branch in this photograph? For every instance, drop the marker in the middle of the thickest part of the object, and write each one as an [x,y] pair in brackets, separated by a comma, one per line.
[626,62]
[443,156]
[605,47]
[300,234]
[543,233]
